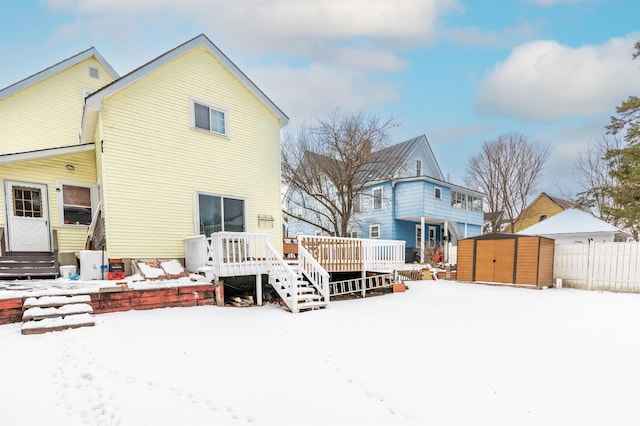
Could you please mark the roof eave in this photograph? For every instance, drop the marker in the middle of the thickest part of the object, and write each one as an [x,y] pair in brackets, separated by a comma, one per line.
[45,153]
[54,69]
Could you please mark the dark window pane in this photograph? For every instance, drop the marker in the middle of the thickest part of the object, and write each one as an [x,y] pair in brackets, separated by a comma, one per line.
[202,117]
[210,214]
[233,215]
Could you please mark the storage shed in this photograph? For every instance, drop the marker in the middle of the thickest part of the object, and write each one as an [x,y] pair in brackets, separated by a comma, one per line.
[506,259]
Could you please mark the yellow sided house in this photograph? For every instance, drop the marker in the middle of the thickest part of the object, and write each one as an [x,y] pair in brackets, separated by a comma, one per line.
[178,159]
[185,144]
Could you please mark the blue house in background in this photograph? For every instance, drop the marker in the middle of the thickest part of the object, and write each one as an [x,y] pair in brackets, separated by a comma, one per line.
[407,198]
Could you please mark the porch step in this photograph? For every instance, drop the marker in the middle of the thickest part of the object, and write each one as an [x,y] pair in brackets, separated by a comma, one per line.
[26,265]
[45,301]
[58,324]
[305,306]
[55,313]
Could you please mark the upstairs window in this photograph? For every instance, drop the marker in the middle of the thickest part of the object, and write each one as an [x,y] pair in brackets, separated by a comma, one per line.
[376,194]
[357,205]
[208,117]
[437,192]
[418,167]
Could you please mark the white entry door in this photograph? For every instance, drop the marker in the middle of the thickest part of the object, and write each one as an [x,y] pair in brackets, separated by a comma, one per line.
[27,210]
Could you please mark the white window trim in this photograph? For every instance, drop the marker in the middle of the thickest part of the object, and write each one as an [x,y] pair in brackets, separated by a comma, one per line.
[210,105]
[418,167]
[437,189]
[353,234]
[95,201]
[418,231]
[371,227]
[373,198]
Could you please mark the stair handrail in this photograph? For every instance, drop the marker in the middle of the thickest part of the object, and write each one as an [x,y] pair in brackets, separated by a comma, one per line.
[313,271]
[278,268]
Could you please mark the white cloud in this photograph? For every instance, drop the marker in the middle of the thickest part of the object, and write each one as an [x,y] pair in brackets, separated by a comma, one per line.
[310,92]
[544,80]
[284,21]
[475,36]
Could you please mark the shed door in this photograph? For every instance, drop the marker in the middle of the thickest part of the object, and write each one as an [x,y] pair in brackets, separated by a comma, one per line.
[494,260]
[27,217]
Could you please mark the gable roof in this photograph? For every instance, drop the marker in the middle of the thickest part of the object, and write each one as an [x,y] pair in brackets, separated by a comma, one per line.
[54,69]
[93,102]
[570,221]
[564,204]
[394,157]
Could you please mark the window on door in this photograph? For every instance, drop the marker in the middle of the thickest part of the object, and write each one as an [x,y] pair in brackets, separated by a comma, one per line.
[27,202]
[418,236]
[217,213]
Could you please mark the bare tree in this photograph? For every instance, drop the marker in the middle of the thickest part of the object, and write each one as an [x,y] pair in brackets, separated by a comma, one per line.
[593,176]
[325,168]
[507,170]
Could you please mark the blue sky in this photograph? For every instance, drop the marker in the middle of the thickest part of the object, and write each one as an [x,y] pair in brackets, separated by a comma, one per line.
[460,72]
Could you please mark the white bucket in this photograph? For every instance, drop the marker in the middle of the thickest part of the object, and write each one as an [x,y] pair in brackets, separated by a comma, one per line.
[559,283]
[67,271]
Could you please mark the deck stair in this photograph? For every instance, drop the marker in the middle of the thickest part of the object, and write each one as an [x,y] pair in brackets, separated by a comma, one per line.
[54,313]
[28,265]
[299,294]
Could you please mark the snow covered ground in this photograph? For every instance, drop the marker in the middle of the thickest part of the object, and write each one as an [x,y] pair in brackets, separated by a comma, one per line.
[442,353]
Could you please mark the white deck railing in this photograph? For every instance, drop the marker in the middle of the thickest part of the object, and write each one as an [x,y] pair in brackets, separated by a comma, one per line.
[238,253]
[337,254]
[243,253]
[314,272]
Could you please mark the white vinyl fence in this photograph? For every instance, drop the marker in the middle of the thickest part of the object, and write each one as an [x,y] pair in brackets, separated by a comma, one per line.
[599,266]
